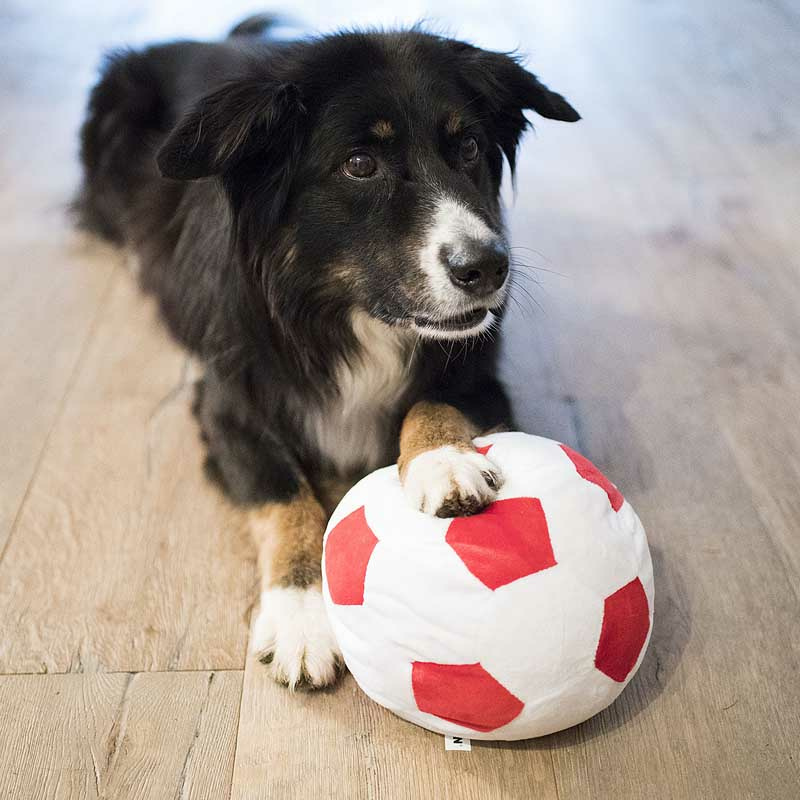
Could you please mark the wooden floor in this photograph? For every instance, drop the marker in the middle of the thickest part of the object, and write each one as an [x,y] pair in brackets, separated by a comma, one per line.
[659,333]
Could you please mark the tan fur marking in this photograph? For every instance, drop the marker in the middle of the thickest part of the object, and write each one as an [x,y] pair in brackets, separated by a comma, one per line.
[428,426]
[289,541]
[383,129]
[453,124]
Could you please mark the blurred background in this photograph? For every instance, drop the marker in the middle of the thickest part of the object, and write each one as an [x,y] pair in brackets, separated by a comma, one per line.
[655,328]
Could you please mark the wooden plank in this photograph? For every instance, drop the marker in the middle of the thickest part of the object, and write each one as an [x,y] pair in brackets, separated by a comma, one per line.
[339,744]
[40,349]
[759,421]
[145,736]
[153,570]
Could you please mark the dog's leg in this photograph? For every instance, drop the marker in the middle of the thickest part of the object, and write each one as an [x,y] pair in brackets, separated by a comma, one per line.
[292,634]
[441,471]
[257,471]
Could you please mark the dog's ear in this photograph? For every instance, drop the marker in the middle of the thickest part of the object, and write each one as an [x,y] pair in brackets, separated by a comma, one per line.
[507,90]
[500,78]
[228,125]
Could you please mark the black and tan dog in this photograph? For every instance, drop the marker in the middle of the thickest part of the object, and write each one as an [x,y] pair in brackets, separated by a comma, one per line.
[314,219]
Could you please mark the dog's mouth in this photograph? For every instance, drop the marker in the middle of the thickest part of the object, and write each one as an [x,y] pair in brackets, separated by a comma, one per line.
[459,326]
[456,324]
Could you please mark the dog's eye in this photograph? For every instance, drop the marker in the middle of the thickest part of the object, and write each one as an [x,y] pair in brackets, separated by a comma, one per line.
[469,149]
[360,165]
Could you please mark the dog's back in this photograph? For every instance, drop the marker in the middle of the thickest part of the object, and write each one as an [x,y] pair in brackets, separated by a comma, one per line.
[138,100]
[172,227]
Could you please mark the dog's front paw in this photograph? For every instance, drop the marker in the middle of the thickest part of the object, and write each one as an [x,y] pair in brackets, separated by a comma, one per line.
[293,637]
[451,482]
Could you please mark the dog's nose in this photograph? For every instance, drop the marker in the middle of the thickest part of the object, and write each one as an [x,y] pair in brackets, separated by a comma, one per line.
[479,269]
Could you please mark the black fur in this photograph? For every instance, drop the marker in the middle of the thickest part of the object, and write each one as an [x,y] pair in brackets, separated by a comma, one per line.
[218,164]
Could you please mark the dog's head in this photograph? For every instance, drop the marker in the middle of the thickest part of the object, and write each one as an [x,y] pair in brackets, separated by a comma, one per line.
[376,160]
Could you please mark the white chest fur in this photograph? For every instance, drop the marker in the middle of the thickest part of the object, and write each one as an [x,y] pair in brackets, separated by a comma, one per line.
[352,430]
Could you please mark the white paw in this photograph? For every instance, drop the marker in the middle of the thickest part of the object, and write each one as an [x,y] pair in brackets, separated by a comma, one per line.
[293,637]
[450,482]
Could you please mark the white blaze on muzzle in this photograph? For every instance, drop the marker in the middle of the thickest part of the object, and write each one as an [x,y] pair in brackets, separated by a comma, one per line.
[455,228]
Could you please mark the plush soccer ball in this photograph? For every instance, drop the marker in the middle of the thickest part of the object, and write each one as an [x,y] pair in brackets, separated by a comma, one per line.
[516,622]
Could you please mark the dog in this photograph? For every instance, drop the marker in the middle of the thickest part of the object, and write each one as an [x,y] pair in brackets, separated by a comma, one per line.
[319,222]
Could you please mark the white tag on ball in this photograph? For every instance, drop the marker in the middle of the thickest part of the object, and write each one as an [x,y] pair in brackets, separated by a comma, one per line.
[457,743]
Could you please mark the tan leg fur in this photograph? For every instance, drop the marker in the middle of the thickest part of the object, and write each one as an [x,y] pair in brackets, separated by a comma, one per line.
[291,633]
[441,471]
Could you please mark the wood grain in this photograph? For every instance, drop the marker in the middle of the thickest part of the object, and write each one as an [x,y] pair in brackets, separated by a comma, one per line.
[360,751]
[137,737]
[153,571]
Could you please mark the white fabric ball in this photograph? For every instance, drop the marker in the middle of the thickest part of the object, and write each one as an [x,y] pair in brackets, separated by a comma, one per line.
[522,620]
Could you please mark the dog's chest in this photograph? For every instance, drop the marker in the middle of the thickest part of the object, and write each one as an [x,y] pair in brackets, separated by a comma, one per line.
[355,429]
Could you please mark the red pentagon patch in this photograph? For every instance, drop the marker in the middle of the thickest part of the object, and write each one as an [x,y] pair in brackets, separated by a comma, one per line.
[508,540]
[464,694]
[626,623]
[589,472]
[347,553]
[484,450]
